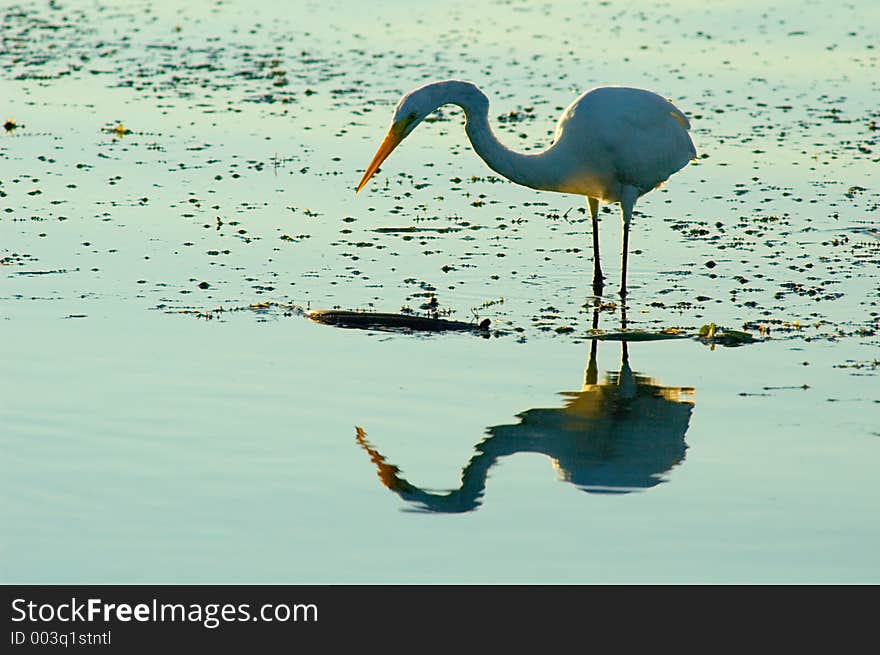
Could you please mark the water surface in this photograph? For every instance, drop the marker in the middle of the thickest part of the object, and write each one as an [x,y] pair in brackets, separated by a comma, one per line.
[164,163]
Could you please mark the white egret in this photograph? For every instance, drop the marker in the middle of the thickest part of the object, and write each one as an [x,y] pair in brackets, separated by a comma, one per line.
[612,144]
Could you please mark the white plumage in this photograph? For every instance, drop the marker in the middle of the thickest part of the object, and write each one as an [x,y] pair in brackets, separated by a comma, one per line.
[612,144]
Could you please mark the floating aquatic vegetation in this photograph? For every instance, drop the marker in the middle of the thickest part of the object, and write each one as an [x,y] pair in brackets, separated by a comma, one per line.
[713,334]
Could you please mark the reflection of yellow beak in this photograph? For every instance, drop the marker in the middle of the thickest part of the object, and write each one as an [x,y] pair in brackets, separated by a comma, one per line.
[391,141]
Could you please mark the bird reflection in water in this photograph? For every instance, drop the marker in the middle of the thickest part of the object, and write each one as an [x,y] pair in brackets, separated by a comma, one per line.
[614,436]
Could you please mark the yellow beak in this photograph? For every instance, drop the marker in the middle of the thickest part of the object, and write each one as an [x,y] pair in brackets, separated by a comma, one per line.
[389,143]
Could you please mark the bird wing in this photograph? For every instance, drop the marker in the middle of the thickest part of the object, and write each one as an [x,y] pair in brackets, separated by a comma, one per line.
[647,139]
[626,136]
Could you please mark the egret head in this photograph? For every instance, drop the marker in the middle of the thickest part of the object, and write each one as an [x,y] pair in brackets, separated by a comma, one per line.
[412,109]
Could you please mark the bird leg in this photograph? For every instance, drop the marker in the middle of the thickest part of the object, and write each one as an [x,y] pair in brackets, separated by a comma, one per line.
[591,373]
[598,278]
[623,263]
[627,203]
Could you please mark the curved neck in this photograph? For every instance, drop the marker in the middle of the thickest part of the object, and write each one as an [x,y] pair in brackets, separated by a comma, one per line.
[528,170]
[464,499]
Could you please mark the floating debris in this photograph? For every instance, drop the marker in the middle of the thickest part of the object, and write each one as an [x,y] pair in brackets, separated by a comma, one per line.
[119,131]
[642,335]
[387,321]
[714,334]
[57,271]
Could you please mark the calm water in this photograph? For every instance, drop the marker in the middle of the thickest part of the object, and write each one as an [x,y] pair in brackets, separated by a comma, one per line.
[166,163]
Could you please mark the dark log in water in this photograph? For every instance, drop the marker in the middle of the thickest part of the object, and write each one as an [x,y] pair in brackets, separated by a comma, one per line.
[382,321]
